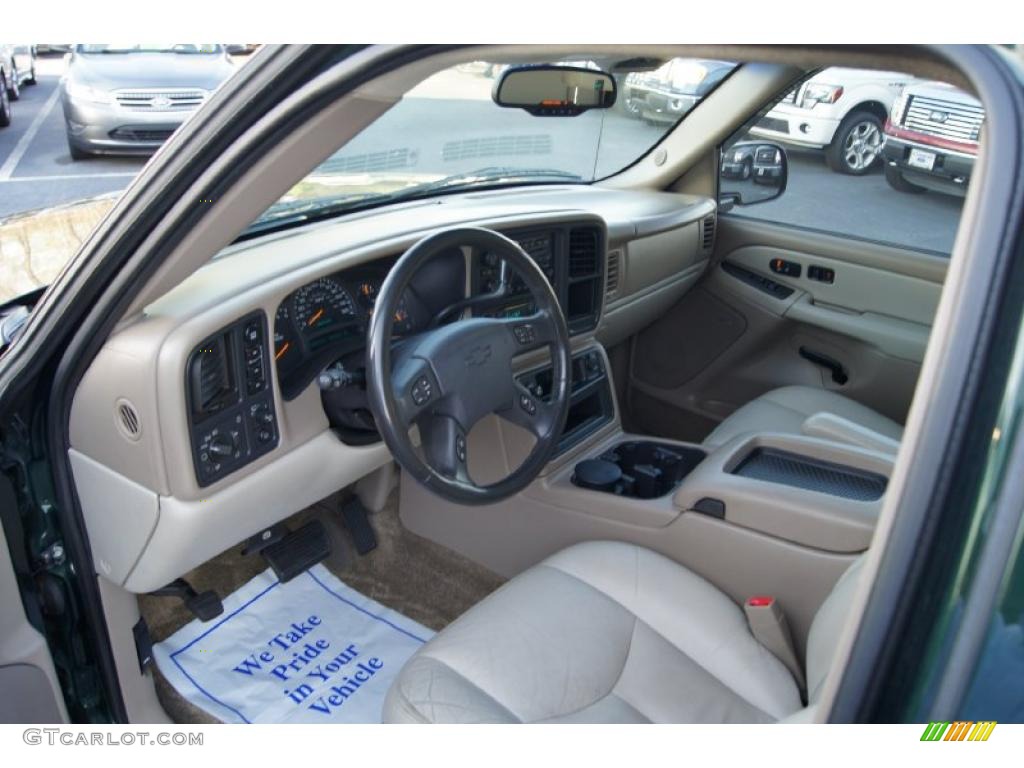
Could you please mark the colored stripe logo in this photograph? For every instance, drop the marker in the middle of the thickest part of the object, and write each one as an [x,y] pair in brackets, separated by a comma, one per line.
[959,731]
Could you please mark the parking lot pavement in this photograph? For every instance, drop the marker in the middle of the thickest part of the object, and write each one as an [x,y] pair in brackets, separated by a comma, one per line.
[36,170]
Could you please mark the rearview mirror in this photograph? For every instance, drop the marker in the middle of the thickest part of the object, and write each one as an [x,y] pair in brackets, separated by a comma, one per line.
[752,172]
[548,90]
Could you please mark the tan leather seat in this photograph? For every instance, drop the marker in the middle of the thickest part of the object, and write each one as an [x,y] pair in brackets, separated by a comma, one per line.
[786,409]
[607,632]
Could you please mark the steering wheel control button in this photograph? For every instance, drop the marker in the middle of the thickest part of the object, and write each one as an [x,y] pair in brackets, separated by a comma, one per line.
[525,333]
[528,404]
[422,390]
[460,448]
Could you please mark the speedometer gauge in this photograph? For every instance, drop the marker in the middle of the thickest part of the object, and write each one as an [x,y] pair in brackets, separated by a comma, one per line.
[322,305]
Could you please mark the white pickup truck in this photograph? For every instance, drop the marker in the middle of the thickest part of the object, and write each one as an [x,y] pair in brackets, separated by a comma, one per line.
[839,110]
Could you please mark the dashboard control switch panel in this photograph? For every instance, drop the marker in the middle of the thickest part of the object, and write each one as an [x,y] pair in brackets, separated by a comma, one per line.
[232,420]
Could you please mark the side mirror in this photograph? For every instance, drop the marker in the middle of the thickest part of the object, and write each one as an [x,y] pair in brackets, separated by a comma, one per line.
[751,173]
[549,90]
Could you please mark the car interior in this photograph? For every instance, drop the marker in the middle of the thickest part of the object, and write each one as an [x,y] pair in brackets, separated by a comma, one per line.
[582,423]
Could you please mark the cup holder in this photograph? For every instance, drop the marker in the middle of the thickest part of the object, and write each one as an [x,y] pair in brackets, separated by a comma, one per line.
[642,469]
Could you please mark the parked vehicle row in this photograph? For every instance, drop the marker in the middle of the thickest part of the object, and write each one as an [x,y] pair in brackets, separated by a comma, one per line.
[841,111]
[17,68]
[924,134]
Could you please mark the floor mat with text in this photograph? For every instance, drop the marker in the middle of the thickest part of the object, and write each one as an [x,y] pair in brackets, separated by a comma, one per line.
[311,650]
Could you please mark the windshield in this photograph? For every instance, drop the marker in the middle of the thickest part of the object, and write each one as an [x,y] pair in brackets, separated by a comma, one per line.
[193,48]
[446,134]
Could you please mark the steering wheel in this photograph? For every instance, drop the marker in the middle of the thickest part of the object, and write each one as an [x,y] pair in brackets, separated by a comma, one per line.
[447,378]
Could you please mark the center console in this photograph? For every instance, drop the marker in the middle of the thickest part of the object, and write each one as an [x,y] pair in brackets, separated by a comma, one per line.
[824,495]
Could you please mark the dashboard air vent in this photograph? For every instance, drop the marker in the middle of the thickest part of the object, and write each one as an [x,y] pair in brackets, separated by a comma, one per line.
[210,377]
[582,253]
[128,420]
[708,232]
[612,273]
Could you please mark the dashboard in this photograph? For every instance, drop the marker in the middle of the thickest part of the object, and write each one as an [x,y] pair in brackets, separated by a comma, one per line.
[201,369]
[323,323]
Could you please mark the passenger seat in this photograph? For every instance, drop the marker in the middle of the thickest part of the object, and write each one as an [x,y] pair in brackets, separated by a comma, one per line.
[810,411]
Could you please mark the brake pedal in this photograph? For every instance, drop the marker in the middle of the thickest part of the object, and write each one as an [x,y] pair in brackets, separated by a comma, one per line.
[203,605]
[299,551]
[357,521]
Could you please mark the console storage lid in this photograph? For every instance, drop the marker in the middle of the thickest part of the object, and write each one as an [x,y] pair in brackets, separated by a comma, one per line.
[802,489]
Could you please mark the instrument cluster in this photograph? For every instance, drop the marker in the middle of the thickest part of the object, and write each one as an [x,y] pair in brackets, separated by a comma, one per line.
[328,318]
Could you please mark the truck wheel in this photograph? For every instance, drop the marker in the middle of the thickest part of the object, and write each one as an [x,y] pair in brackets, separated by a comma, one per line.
[897,181]
[5,104]
[857,144]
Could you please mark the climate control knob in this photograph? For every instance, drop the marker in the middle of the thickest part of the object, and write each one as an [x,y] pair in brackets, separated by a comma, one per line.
[222,445]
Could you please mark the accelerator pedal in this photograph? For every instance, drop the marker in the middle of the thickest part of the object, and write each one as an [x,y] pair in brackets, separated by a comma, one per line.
[357,521]
[299,551]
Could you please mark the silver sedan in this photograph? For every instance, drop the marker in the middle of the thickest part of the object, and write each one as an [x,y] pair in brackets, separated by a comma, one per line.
[128,99]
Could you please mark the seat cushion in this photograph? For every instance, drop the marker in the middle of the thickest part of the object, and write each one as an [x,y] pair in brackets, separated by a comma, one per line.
[787,408]
[600,632]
